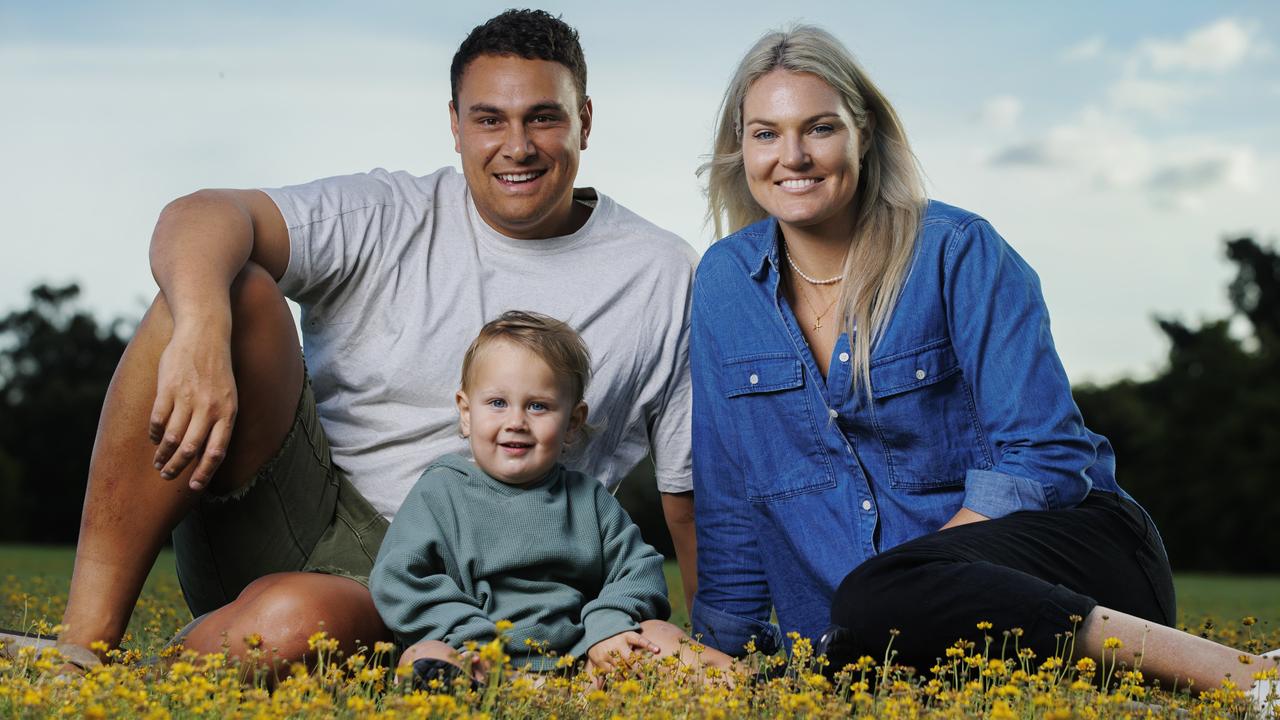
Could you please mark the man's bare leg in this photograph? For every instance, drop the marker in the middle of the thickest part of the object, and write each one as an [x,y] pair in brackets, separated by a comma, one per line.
[284,610]
[129,509]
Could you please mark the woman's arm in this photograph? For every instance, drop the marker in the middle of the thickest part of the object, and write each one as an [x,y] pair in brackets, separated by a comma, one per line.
[732,604]
[1000,330]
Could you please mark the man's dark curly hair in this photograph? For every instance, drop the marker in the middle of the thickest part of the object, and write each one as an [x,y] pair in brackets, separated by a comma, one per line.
[530,34]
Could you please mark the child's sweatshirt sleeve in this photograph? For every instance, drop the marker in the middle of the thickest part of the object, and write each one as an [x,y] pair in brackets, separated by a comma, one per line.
[414,593]
[634,588]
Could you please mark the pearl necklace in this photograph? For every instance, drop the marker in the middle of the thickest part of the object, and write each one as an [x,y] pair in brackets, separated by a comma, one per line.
[810,280]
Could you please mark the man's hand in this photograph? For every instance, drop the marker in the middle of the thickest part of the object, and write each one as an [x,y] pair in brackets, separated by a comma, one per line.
[196,402]
[615,652]
[963,517]
[201,242]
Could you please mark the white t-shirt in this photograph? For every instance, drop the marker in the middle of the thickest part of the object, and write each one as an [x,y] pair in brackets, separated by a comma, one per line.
[396,274]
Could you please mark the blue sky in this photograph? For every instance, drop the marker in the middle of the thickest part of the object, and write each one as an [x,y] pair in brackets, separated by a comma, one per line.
[1114,145]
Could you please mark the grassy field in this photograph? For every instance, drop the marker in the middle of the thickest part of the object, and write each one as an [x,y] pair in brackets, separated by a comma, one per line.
[1222,598]
[972,681]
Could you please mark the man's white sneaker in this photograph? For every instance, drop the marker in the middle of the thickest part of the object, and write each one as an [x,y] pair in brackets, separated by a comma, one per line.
[1265,693]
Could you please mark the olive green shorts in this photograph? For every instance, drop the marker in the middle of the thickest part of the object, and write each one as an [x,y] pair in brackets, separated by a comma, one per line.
[299,513]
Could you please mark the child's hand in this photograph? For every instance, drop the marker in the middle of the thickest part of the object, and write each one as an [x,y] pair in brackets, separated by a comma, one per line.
[615,652]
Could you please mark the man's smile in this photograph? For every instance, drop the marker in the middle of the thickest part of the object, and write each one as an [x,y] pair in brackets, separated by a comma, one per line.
[519,178]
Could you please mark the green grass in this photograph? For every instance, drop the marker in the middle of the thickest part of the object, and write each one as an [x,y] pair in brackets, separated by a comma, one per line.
[1228,597]
[55,563]
[1223,598]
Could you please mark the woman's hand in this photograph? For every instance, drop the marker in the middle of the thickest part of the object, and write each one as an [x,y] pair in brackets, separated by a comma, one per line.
[963,517]
[615,652]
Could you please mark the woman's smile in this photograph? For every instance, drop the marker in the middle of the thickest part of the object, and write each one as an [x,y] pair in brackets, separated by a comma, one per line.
[798,185]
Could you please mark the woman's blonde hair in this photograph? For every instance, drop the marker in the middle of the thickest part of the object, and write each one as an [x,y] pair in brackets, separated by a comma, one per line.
[889,202]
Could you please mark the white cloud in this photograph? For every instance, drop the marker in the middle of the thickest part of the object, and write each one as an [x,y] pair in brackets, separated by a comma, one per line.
[1107,151]
[1031,153]
[1184,181]
[1218,46]
[1087,49]
[1001,112]
[1103,146]
[1156,97]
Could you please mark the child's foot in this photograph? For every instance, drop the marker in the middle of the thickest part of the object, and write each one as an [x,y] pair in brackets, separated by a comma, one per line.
[836,643]
[427,669]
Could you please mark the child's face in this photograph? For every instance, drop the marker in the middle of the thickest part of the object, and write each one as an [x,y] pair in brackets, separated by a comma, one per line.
[517,413]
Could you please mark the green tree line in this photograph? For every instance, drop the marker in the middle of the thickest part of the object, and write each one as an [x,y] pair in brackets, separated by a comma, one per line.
[55,362]
[1198,444]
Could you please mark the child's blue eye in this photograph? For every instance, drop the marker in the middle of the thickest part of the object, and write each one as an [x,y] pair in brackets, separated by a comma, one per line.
[537,407]
[498,403]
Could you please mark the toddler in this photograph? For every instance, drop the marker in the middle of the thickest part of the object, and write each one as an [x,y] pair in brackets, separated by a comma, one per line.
[514,535]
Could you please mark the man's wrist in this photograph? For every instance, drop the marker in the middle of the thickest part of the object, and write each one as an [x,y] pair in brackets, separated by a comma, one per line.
[203,319]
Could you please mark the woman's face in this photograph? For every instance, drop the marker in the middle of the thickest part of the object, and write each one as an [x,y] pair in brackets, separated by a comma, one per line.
[801,152]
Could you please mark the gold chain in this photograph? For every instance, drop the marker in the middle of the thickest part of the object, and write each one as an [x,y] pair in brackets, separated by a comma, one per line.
[817,320]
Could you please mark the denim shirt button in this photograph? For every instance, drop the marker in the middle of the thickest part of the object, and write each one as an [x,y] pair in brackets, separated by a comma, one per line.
[920,374]
[844,357]
[866,505]
[832,412]
[753,379]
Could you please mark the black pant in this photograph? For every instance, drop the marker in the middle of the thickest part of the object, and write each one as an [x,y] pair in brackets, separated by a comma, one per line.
[1029,570]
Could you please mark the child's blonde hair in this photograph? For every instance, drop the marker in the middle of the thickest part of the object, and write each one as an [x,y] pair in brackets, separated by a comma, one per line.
[554,342]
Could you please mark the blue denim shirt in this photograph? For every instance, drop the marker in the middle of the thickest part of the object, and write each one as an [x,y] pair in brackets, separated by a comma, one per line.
[797,479]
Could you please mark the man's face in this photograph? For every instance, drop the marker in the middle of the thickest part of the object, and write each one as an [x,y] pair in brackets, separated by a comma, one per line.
[519,129]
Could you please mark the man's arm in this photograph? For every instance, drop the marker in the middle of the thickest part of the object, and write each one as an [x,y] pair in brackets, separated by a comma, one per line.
[201,243]
[678,510]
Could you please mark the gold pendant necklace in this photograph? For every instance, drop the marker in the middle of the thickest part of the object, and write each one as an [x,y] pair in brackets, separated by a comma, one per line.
[817,320]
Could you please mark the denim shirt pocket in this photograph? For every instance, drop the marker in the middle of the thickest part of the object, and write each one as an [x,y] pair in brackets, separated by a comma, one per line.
[924,415]
[771,415]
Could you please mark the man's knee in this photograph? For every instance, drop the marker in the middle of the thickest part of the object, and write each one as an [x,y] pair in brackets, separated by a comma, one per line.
[279,611]
[253,288]
[260,315]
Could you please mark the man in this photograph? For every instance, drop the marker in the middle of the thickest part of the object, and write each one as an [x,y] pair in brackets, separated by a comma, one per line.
[278,481]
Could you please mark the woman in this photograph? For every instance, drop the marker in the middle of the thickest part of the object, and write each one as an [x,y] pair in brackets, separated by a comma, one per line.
[870,368]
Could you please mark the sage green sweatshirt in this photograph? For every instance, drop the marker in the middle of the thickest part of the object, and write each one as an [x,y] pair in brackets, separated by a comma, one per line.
[559,558]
